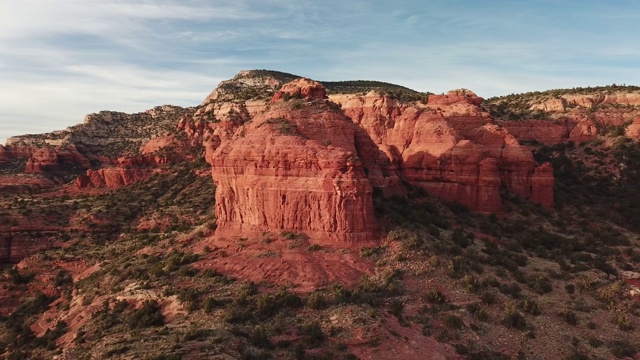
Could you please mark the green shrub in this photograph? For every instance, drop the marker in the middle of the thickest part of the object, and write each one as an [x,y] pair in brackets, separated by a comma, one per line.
[211,303]
[569,317]
[513,290]
[372,252]
[622,349]
[260,338]
[529,306]
[148,315]
[316,300]
[513,318]
[570,288]
[435,297]
[313,333]
[17,278]
[471,283]
[459,238]
[62,278]
[477,311]
[395,308]
[453,321]
[622,319]
[488,297]
[456,267]
[541,284]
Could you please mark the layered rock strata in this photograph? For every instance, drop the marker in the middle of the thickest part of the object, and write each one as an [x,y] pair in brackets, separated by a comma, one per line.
[295,170]
[450,147]
[577,117]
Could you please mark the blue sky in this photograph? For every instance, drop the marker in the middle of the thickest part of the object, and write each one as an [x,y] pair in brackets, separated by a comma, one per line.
[60,60]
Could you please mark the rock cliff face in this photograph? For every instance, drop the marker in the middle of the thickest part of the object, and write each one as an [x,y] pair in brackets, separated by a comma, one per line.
[542,185]
[249,84]
[552,131]
[450,147]
[107,147]
[296,170]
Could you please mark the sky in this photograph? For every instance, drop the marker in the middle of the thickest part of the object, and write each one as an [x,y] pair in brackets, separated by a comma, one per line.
[60,60]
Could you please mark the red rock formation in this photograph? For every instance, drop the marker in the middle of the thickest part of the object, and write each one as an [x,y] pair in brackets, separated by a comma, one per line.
[112,178]
[127,170]
[552,131]
[52,159]
[132,169]
[157,144]
[228,89]
[584,130]
[542,185]
[294,171]
[456,97]
[443,147]
[311,167]
[41,160]
[305,88]
[633,130]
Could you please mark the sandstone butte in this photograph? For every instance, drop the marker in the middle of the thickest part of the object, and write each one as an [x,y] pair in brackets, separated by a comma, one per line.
[309,163]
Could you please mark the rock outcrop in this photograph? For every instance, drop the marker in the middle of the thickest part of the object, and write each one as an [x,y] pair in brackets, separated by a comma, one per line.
[249,84]
[55,159]
[633,130]
[587,101]
[575,117]
[295,170]
[4,156]
[303,88]
[113,178]
[450,147]
[132,169]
